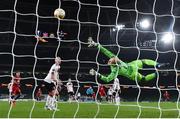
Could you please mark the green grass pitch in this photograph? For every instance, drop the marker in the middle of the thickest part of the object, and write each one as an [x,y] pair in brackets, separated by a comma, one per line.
[90,110]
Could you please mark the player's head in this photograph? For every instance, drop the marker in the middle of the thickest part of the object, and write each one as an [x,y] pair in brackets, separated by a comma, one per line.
[17,73]
[113,60]
[69,80]
[58,60]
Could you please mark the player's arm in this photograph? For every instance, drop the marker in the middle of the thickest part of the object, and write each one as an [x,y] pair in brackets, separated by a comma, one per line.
[111,76]
[65,85]
[73,87]
[108,78]
[105,51]
[39,37]
[9,85]
[53,76]
[14,81]
[19,80]
[100,47]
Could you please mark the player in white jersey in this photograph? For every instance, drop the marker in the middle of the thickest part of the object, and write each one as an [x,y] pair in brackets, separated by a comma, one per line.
[10,87]
[110,94]
[10,90]
[117,91]
[116,85]
[51,83]
[70,89]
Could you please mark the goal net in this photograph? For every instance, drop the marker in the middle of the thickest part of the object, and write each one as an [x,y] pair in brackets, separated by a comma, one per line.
[133,30]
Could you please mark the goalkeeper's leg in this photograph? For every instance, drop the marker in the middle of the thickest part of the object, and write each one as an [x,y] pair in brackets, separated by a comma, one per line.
[140,63]
[137,64]
[154,63]
[149,62]
[148,77]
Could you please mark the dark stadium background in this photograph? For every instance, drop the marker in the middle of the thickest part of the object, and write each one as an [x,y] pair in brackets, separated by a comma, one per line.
[25,44]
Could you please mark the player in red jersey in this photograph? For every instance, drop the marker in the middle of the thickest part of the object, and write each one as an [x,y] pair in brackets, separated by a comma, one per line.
[166,96]
[102,92]
[15,89]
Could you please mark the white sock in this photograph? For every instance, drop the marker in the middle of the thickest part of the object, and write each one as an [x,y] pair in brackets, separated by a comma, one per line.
[48,101]
[53,102]
[117,99]
[70,99]
[10,97]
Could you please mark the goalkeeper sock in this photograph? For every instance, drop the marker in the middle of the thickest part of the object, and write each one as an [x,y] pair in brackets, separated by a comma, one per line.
[162,65]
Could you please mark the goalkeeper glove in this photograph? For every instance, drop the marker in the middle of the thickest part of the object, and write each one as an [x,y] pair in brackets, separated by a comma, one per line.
[93,72]
[91,42]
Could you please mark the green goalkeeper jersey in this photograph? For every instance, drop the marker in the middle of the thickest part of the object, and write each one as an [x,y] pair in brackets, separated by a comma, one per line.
[129,70]
[122,69]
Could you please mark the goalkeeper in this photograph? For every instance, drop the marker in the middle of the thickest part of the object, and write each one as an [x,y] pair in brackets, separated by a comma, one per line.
[118,67]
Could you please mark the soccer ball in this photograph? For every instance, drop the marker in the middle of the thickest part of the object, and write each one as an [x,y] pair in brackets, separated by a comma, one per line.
[59,13]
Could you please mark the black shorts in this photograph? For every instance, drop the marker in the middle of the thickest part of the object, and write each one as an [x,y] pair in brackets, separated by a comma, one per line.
[49,86]
[116,92]
[70,93]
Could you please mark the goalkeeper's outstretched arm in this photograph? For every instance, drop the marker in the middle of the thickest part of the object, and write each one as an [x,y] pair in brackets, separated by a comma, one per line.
[106,51]
[100,47]
[108,78]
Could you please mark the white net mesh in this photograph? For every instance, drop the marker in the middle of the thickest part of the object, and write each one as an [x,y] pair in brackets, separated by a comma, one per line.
[132,30]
